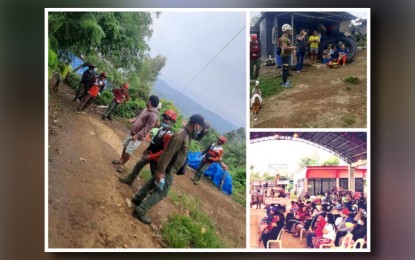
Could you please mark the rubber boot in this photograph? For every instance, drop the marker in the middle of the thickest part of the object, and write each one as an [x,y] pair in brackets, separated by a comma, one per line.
[127,180]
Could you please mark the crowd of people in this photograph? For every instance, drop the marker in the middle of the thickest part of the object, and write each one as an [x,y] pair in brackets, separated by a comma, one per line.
[332,56]
[325,219]
[167,152]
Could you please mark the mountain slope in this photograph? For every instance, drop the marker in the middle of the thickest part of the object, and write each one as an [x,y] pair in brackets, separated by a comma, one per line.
[188,106]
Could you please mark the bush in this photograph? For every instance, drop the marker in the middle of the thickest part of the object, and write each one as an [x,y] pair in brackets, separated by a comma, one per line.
[73,80]
[194,229]
[352,80]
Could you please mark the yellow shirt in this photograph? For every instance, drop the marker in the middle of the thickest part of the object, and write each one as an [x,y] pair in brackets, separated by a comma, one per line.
[314,44]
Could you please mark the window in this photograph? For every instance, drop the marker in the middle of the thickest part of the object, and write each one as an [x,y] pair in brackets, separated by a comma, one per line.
[344,183]
[358,184]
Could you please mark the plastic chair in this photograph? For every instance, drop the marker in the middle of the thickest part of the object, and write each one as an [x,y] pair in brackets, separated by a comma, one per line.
[360,241]
[278,240]
[303,231]
[346,243]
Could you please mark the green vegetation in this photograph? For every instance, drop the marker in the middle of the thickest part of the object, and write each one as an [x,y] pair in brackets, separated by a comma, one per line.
[145,174]
[191,229]
[348,120]
[269,86]
[332,161]
[115,42]
[234,157]
[352,80]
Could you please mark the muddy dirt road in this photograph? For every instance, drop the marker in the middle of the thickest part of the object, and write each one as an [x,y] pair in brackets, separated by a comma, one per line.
[87,205]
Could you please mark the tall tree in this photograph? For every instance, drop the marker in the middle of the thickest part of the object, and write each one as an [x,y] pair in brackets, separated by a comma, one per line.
[332,161]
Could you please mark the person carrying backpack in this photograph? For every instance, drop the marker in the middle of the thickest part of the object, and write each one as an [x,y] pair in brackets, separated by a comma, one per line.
[120,96]
[87,79]
[155,149]
[170,162]
[93,90]
[211,155]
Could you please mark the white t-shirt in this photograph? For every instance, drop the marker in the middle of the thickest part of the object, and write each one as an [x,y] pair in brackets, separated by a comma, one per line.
[331,234]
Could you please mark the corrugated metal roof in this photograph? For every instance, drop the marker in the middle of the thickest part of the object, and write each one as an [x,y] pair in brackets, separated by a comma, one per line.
[349,146]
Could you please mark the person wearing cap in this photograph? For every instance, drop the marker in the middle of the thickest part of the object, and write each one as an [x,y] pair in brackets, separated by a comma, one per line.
[254,57]
[62,73]
[314,41]
[286,51]
[211,154]
[171,161]
[141,126]
[97,86]
[86,80]
[344,225]
[157,145]
[120,96]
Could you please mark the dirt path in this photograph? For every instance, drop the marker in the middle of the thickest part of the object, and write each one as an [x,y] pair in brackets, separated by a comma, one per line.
[318,99]
[87,205]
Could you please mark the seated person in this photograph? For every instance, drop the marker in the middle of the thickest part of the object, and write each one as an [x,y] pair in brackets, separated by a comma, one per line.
[344,225]
[272,229]
[342,54]
[327,54]
[334,57]
[329,233]
[318,232]
[303,216]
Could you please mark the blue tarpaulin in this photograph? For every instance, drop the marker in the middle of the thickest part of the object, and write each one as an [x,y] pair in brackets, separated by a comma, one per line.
[214,172]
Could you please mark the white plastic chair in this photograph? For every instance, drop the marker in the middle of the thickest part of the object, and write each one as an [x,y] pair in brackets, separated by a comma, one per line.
[278,240]
[360,241]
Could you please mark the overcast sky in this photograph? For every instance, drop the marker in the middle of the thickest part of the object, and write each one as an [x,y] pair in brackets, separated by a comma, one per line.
[262,154]
[190,40]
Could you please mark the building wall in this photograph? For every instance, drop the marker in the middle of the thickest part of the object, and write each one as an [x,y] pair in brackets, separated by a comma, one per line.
[344,26]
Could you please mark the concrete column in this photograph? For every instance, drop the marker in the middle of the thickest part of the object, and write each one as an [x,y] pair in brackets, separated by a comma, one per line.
[351,178]
[337,182]
[306,184]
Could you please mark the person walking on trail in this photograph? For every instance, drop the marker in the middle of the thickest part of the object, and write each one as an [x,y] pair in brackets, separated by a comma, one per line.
[142,124]
[87,79]
[212,154]
[286,51]
[170,162]
[254,56]
[120,96]
[94,90]
[314,41]
[301,39]
[61,74]
[153,152]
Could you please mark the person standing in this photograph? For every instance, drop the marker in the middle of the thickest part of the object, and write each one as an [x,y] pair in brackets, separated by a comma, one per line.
[314,41]
[142,124]
[212,154]
[94,90]
[153,152]
[87,79]
[286,51]
[64,70]
[254,56]
[120,96]
[301,39]
[170,162]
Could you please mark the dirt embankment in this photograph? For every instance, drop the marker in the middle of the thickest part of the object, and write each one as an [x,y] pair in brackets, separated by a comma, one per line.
[319,98]
[87,205]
